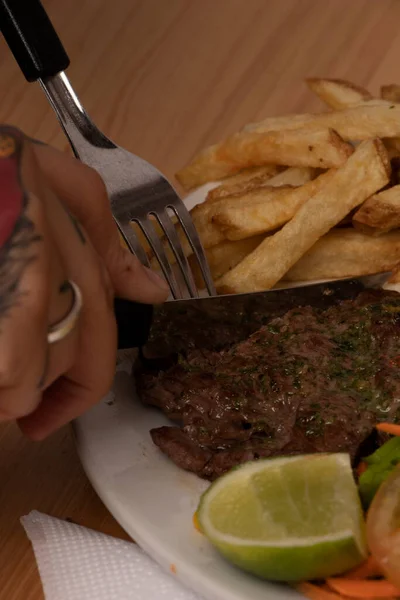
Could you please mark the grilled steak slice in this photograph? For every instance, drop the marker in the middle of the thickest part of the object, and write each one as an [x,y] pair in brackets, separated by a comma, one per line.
[313,380]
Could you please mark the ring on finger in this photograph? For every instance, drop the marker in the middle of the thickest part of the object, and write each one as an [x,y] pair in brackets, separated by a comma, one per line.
[60,330]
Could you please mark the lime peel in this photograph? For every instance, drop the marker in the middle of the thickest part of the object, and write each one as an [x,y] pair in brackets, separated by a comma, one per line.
[287,519]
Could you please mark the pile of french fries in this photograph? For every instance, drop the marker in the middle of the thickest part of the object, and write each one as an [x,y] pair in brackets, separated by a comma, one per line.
[303,197]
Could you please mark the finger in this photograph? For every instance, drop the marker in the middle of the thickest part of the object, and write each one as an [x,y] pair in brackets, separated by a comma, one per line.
[83,191]
[62,354]
[93,370]
[25,294]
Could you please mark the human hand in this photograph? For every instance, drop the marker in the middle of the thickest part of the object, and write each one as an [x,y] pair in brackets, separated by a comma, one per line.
[56,227]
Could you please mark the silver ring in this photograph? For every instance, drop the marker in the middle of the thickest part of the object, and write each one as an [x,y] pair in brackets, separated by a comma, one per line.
[60,330]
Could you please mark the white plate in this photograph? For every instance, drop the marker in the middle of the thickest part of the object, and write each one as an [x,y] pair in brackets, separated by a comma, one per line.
[150,497]
[153,499]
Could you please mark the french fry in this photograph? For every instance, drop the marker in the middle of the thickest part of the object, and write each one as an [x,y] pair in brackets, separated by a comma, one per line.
[142,238]
[380,213]
[264,209]
[391,92]
[346,253]
[246,180]
[365,172]
[395,278]
[392,146]
[338,93]
[209,233]
[372,118]
[223,257]
[320,148]
[202,214]
[294,176]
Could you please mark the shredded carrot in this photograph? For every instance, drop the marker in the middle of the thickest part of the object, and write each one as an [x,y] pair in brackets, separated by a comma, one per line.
[361,468]
[315,592]
[369,568]
[389,428]
[172,568]
[363,588]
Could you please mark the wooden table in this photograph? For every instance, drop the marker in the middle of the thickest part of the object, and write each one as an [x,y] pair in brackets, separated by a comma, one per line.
[163,78]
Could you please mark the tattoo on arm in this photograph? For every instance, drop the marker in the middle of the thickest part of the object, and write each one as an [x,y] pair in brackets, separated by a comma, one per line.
[17,232]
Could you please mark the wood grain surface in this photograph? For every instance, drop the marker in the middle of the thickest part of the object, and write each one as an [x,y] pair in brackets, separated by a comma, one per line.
[163,78]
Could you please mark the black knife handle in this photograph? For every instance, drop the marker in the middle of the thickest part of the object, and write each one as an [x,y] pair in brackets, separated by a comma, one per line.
[133,323]
[32,39]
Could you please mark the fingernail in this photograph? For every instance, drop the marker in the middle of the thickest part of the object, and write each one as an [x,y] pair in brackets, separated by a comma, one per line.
[156,279]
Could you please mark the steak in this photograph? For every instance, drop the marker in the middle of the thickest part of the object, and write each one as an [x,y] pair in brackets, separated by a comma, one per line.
[313,380]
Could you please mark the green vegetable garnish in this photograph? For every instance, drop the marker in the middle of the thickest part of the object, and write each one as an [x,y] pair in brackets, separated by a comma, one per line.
[379,466]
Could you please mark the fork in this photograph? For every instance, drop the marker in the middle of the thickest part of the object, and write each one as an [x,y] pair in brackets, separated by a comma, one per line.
[136,189]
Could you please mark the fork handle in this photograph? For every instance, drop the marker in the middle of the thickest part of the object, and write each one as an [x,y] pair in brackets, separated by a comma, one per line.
[32,39]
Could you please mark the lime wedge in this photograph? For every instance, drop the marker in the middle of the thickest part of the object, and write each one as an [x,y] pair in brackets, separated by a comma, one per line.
[287,519]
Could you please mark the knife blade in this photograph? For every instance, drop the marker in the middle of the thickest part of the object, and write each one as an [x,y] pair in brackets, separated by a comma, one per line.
[210,322]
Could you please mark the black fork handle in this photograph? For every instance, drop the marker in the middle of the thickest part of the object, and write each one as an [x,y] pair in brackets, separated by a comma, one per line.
[40,54]
[32,39]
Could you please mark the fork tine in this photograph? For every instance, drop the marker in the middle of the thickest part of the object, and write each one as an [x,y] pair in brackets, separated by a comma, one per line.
[158,249]
[187,225]
[133,243]
[171,234]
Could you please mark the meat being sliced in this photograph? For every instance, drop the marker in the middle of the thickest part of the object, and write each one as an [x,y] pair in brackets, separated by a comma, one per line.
[314,380]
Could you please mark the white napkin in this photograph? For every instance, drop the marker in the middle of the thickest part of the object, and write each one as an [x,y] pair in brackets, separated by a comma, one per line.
[76,563]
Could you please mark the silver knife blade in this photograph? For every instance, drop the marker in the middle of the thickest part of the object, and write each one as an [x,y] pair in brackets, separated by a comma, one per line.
[218,321]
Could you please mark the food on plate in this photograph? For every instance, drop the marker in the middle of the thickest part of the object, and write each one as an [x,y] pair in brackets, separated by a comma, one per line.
[313,380]
[346,252]
[281,151]
[235,191]
[342,252]
[391,92]
[266,517]
[338,93]
[295,198]
[383,532]
[365,172]
[264,209]
[244,181]
[224,256]
[372,118]
[203,215]
[377,468]
[287,519]
[380,213]
[299,518]
[367,589]
[303,147]
[253,180]
[209,233]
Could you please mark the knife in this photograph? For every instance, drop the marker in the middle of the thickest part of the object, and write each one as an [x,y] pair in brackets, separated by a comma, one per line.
[216,321]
